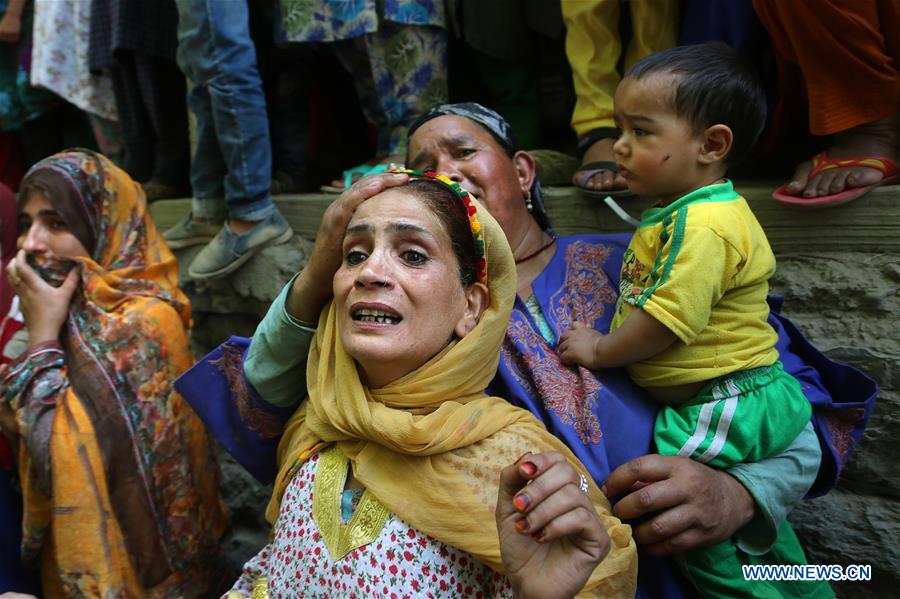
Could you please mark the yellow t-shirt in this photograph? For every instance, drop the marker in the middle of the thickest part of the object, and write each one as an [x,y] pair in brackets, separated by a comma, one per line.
[701,267]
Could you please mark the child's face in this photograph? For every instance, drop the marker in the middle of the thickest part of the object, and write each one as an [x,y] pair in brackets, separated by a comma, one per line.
[657,150]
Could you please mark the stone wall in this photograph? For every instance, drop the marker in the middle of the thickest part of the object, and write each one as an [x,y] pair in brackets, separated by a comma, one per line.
[838,269]
[847,304]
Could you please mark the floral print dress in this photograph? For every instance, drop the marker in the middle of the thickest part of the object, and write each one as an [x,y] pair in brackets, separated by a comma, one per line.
[396,54]
[398,562]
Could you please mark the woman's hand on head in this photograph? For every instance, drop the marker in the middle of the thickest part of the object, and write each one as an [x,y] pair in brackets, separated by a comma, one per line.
[690,505]
[312,288]
[44,307]
[551,537]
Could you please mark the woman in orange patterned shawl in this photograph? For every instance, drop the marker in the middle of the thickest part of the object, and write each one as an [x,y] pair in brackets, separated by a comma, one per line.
[119,478]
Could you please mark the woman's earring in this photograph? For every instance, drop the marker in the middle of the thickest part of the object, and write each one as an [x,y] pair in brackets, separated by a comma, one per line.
[528,203]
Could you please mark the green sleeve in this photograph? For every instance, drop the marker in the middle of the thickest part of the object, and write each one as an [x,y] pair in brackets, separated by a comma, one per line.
[777,484]
[276,360]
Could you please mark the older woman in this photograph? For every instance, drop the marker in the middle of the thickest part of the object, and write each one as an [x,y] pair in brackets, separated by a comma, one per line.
[605,420]
[118,477]
[389,471]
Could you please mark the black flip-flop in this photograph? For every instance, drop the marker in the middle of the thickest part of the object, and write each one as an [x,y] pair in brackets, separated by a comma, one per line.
[586,171]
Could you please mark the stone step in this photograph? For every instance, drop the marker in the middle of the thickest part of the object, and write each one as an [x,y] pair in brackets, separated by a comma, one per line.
[870,224]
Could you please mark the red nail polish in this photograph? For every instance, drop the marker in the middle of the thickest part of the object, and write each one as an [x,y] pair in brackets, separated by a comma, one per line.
[521,502]
[522,525]
[528,468]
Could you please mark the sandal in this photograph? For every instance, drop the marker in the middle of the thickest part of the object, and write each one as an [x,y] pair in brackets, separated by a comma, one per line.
[588,170]
[821,162]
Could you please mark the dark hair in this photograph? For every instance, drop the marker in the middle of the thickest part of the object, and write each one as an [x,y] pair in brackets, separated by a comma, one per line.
[714,86]
[450,211]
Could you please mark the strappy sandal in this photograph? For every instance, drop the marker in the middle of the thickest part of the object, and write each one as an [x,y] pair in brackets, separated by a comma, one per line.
[821,162]
[586,171]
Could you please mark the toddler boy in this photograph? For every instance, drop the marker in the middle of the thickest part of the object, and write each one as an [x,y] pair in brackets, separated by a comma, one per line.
[690,324]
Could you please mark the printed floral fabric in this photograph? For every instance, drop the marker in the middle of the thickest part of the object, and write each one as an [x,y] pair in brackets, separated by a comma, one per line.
[332,20]
[60,56]
[19,100]
[399,72]
[398,61]
[120,480]
[400,562]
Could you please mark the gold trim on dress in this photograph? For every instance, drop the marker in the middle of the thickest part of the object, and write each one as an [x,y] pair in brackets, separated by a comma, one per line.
[368,519]
[260,588]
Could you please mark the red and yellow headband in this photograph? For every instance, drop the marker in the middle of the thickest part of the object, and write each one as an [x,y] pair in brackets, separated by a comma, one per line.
[471,211]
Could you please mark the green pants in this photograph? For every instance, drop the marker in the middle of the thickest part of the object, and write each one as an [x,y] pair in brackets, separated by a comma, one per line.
[716,570]
[746,416]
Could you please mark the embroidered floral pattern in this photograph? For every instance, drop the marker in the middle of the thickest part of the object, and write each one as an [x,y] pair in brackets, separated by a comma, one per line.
[400,562]
[587,290]
[571,394]
[844,428]
[231,364]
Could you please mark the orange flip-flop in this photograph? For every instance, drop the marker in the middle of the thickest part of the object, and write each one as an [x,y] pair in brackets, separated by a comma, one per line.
[821,162]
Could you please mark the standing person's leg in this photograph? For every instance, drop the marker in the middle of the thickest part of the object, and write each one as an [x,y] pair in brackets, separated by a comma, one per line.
[290,118]
[108,134]
[593,46]
[207,169]
[353,54]
[400,71]
[654,28]
[162,90]
[847,55]
[409,68]
[239,113]
[137,134]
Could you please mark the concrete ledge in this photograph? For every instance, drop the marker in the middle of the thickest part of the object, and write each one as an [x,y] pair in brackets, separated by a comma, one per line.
[871,223]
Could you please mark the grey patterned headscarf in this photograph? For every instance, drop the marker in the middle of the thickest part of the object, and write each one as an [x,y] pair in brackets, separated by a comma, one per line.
[500,130]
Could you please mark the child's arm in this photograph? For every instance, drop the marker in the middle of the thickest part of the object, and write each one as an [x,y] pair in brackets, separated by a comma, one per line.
[640,337]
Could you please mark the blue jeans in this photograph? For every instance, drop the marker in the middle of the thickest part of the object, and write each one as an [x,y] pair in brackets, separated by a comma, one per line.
[233,158]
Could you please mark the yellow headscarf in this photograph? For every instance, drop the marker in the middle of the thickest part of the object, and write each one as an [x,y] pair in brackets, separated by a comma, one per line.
[430,445]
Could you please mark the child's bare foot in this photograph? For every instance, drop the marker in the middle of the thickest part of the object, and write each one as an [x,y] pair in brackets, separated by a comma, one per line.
[877,139]
[604,180]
